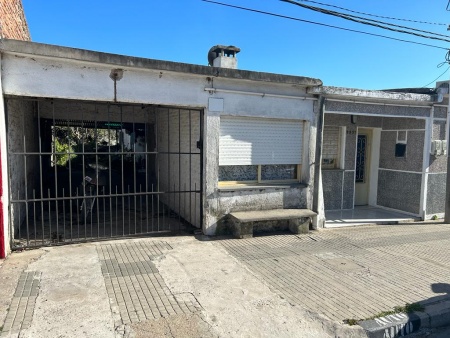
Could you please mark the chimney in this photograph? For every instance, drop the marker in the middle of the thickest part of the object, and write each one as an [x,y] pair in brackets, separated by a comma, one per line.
[223,56]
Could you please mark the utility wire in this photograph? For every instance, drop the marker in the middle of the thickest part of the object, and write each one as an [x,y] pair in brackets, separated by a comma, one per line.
[325,11]
[437,78]
[321,24]
[447,61]
[369,22]
[377,16]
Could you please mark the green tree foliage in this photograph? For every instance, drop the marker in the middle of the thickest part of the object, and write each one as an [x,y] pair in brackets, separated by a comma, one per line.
[68,142]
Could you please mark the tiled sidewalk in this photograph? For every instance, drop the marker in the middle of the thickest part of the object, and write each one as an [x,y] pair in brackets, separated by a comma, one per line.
[353,272]
[20,313]
[348,273]
[135,288]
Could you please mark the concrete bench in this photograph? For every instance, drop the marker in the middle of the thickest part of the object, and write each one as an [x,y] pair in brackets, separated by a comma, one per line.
[297,220]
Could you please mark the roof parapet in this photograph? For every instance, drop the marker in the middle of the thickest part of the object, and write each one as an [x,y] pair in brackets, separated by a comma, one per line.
[353,93]
[33,49]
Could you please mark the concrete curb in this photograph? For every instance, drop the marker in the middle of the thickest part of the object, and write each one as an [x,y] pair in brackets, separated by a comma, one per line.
[402,324]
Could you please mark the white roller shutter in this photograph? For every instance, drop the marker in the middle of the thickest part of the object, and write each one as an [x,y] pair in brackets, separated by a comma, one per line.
[252,141]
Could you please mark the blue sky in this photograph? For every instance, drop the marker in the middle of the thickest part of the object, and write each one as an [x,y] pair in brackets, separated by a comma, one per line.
[184,30]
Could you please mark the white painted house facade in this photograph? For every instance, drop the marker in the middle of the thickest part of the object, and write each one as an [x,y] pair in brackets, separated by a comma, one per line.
[97,145]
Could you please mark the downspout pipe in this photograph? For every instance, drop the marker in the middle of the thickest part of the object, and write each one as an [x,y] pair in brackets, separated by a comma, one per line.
[318,156]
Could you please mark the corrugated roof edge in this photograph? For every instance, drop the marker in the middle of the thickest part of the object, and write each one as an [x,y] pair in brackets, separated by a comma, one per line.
[54,51]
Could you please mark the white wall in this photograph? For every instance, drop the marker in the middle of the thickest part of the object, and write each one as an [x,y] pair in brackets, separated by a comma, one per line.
[219,203]
[180,172]
[39,76]
[4,170]
[56,78]
[23,170]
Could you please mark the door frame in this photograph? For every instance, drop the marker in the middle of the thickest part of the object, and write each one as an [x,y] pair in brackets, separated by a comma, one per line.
[374,161]
[170,200]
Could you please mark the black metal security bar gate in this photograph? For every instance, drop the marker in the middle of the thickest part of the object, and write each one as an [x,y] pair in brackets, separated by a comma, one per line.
[83,171]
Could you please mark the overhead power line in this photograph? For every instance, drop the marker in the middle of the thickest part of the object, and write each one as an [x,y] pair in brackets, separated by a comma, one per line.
[437,77]
[322,24]
[343,15]
[374,23]
[376,16]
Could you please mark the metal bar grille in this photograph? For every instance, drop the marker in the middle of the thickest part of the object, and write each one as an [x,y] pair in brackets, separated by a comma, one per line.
[83,171]
[360,176]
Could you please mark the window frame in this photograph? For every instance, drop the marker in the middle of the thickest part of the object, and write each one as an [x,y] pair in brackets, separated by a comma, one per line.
[340,159]
[403,142]
[259,180]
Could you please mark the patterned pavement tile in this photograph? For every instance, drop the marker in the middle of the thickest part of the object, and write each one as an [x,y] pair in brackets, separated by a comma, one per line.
[352,272]
[135,288]
[20,313]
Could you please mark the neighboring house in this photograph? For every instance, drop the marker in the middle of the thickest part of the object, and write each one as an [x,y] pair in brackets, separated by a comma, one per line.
[386,149]
[13,24]
[102,145]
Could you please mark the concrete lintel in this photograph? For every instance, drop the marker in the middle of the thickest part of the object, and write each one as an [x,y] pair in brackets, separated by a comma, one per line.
[242,187]
[370,95]
[34,49]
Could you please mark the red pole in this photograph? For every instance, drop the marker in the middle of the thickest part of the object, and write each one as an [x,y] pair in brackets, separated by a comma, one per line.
[2,229]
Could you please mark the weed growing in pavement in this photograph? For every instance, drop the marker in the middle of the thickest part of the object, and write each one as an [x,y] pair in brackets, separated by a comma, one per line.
[407,308]
[352,321]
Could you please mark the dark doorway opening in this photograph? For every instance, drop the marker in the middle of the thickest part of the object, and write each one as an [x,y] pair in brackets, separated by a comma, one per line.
[83,171]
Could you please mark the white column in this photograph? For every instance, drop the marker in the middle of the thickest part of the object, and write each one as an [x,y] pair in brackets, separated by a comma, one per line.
[4,167]
[426,163]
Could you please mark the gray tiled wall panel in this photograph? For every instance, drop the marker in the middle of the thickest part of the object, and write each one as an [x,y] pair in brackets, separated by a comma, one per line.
[414,151]
[349,189]
[401,123]
[350,148]
[438,164]
[399,190]
[376,109]
[332,189]
[436,193]
[346,120]
[439,130]
[440,112]
[388,123]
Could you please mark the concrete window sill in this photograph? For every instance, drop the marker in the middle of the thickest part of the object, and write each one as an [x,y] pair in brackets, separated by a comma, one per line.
[260,186]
